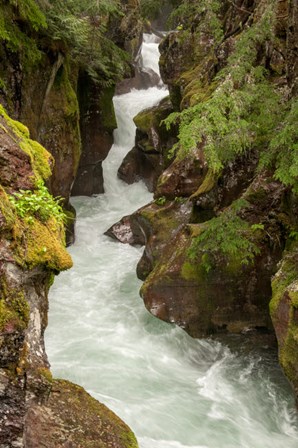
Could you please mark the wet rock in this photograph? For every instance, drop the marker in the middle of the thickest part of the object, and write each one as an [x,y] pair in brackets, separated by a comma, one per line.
[284,314]
[208,292]
[150,156]
[70,417]
[183,177]
[97,122]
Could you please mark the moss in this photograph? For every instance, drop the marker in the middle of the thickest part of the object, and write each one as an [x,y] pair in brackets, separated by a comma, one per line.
[208,183]
[197,92]
[7,211]
[45,373]
[284,313]
[12,34]
[281,281]
[62,84]
[189,271]
[41,243]
[14,308]
[90,423]
[41,159]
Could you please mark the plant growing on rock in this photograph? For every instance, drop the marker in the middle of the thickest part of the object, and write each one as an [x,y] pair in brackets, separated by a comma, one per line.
[38,204]
[228,235]
[244,110]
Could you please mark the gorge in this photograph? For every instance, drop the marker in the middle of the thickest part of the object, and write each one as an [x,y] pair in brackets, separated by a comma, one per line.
[210,172]
[172,390]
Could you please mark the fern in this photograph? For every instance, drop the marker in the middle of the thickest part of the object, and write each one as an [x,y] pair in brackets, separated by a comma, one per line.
[81,27]
[242,112]
[204,15]
[282,153]
[228,235]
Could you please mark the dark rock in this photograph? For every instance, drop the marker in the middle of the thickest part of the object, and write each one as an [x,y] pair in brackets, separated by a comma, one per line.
[150,156]
[183,177]
[97,122]
[228,296]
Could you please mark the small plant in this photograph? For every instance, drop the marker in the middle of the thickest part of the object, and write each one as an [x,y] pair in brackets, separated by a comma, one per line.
[38,204]
[160,201]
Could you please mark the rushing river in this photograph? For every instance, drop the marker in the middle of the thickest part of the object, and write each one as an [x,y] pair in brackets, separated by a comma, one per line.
[172,390]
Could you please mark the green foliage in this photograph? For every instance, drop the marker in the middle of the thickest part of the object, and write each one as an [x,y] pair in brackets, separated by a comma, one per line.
[30,12]
[81,28]
[38,204]
[242,112]
[151,8]
[228,235]
[161,200]
[282,153]
[204,15]
[17,38]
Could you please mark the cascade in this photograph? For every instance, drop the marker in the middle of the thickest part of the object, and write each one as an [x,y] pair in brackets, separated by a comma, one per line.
[172,390]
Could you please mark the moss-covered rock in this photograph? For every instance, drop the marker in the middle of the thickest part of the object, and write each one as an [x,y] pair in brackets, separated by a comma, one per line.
[70,415]
[150,156]
[284,313]
[220,284]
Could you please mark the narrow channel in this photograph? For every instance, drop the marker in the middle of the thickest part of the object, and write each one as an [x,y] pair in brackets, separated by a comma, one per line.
[172,390]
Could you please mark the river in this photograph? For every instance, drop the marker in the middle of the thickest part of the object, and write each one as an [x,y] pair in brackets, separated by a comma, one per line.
[172,390]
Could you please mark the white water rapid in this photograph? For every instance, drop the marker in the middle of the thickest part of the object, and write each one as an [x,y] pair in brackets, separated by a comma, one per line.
[172,390]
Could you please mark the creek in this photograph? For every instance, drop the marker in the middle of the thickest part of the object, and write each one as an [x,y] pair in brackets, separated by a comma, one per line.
[172,390]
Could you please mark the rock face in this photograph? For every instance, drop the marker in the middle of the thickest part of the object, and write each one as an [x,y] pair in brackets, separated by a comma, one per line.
[97,122]
[283,309]
[35,409]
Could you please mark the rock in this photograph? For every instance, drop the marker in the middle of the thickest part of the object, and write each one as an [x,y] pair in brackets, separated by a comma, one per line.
[71,417]
[51,111]
[283,310]
[97,122]
[209,291]
[150,156]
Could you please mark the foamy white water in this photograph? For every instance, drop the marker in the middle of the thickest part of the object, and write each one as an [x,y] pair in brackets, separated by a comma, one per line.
[173,391]
[150,52]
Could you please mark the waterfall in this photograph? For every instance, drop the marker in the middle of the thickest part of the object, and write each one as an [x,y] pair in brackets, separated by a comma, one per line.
[172,390]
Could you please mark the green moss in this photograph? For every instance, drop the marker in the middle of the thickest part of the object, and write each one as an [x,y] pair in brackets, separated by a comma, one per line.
[7,211]
[208,183]
[14,36]
[41,159]
[189,271]
[90,423]
[281,281]
[45,373]
[43,244]
[14,308]
[6,315]
[63,85]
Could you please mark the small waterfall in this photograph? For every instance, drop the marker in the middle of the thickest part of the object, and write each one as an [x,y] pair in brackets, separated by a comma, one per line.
[173,391]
